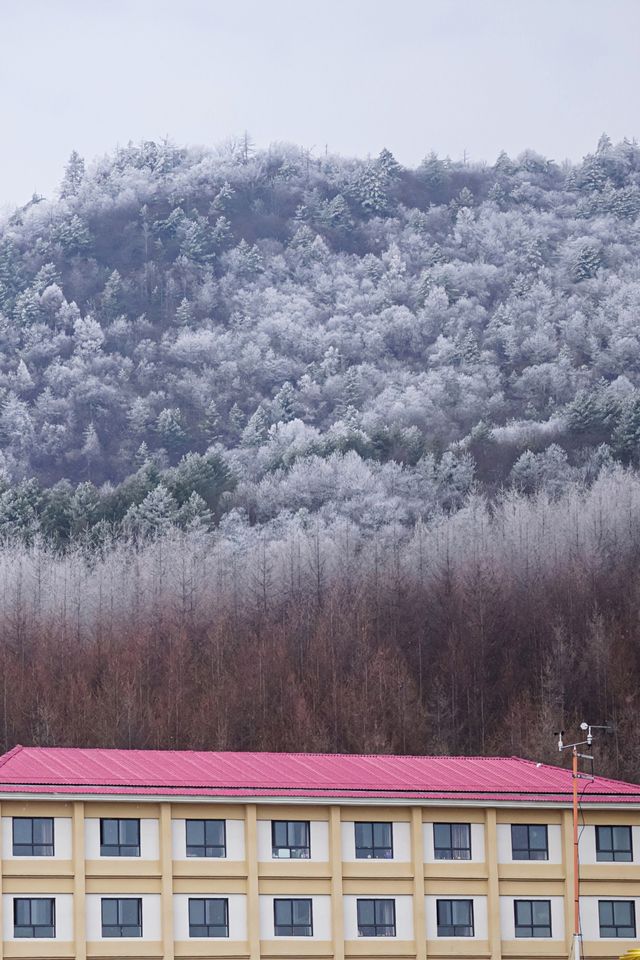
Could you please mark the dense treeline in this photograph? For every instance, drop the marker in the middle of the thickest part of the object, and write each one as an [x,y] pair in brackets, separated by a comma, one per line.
[481,633]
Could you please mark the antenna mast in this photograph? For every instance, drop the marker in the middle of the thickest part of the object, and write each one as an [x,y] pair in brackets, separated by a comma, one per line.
[588,729]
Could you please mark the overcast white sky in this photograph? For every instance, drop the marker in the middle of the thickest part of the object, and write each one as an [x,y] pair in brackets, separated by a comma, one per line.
[357,75]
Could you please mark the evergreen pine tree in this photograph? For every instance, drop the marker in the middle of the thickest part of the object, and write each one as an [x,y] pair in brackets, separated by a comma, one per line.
[388,164]
[113,296]
[73,176]
[22,380]
[184,313]
[370,187]
[256,429]
[154,516]
[587,261]
[236,421]
[432,170]
[194,514]
[284,403]
[626,436]
[170,428]
[212,422]
[142,455]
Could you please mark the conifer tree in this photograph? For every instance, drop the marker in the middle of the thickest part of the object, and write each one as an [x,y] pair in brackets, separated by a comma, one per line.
[74,174]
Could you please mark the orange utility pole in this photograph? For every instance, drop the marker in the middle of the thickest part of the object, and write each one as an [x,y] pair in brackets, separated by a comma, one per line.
[576,859]
[588,729]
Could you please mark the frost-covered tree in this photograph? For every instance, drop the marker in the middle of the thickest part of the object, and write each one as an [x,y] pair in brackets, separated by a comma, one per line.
[154,516]
[74,174]
[194,514]
[284,403]
[255,432]
[370,189]
[22,380]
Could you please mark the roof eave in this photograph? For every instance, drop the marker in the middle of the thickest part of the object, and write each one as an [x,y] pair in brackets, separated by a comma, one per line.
[51,795]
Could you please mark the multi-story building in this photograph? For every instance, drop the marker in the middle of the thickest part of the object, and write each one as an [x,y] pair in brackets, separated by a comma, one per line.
[114,853]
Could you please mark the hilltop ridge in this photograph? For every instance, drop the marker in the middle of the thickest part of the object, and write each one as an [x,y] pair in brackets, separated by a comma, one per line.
[223,329]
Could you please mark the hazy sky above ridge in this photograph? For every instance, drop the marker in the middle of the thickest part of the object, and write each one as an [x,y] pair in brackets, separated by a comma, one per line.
[350,75]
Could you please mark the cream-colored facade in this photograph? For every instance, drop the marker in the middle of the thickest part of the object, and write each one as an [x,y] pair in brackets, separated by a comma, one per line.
[249,877]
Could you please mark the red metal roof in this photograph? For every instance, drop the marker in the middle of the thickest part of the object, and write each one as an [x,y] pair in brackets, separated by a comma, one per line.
[63,770]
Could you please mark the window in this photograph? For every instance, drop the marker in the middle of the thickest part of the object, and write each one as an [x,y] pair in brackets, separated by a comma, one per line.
[452,841]
[208,917]
[532,918]
[374,841]
[529,841]
[617,918]
[292,918]
[121,917]
[455,918]
[206,838]
[34,917]
[33,836]
[119,838]
[614,844]
[376,918]
[290,838]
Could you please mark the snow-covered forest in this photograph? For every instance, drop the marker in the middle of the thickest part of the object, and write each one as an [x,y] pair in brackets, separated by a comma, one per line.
[325,452]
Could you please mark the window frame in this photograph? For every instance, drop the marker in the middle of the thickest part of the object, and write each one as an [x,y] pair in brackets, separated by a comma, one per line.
[377,924]
[612,849]
[306,849]
[614,925]
[120,844]
[34,935]
[209,926]
[120,923]
[206,846]
[532,925]
[33,844]
[451,847]
[292,926]
[441,902]
[529,849]
[376,849]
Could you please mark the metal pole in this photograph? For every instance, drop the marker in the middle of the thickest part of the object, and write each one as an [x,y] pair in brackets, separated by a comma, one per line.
[576,861]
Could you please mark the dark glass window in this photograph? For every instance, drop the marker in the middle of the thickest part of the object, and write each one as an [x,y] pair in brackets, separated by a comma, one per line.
[529,841]
[376,918]
[374,841]
[532,918]
[614,844]
[290,838]
[121,917]
[206,838]
[293,917]
[452,841]
[617,918]
[208,917]
[33,837]
[455,918]
[119,838]
[34,917]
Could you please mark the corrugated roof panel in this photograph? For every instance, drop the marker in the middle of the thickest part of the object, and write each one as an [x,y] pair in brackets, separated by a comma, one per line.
[199,773]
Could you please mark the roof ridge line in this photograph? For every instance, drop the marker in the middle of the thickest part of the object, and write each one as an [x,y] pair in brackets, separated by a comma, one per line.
[293,753]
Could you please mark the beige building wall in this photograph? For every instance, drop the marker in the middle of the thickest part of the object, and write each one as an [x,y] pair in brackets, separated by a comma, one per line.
[164,878]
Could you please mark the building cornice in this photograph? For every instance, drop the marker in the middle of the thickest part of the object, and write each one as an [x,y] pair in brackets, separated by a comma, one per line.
[325,800]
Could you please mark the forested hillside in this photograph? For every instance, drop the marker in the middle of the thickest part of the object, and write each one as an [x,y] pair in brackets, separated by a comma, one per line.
[308,452]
